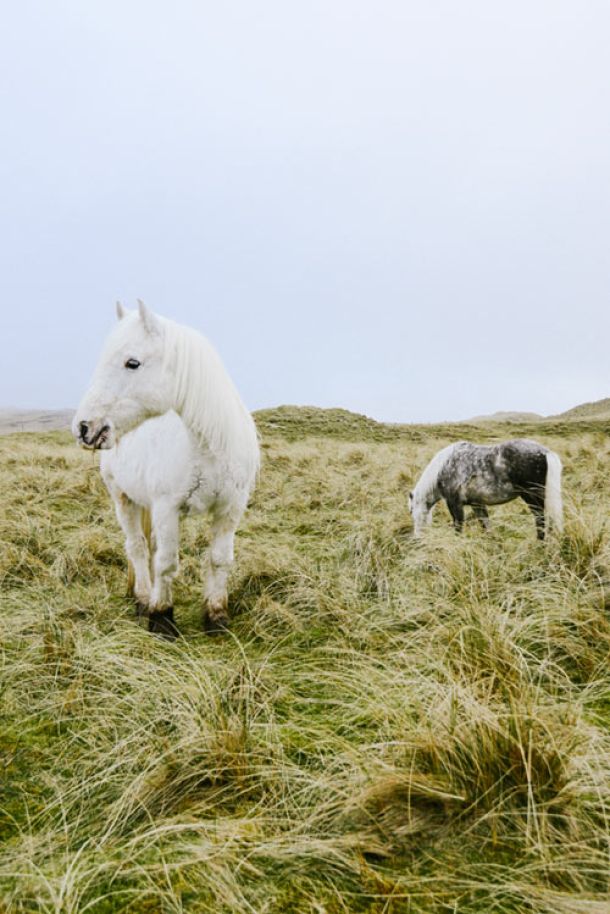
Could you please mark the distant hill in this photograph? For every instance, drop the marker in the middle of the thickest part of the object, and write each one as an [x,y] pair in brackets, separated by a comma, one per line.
[599,409]
[34,420]
[291,421]
[294,421]
[507,416]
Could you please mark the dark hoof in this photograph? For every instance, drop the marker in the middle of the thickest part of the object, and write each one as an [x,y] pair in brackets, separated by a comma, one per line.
[215,626]
[141,611]
[161,622]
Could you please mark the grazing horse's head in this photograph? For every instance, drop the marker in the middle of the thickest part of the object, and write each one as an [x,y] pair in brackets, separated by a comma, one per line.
[128,384]
[419,511]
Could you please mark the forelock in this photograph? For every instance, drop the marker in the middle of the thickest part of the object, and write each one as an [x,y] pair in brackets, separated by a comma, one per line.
[128,333]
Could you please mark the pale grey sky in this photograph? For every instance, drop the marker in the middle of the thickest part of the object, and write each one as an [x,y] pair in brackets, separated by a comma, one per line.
[402,208]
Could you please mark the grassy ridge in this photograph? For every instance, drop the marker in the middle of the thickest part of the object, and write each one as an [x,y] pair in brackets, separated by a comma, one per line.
[390,727]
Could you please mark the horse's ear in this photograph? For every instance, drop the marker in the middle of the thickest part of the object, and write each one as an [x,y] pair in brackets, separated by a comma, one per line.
[120,311]
[149,319]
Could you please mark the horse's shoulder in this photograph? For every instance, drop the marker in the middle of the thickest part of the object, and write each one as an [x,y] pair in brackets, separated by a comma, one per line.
[458,460]
[460,447]
[464,451]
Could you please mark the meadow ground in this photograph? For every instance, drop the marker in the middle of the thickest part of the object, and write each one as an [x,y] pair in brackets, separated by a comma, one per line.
[391,726]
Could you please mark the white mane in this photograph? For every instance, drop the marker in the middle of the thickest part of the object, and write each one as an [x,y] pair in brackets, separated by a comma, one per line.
[207,399]
[427,481]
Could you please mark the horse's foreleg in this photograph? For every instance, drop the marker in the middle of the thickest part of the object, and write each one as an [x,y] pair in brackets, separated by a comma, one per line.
[482,515]
[165,525]
[456,509]
[219,559]
[129,516]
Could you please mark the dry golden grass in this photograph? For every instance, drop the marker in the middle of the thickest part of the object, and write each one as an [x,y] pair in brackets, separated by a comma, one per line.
[391,726]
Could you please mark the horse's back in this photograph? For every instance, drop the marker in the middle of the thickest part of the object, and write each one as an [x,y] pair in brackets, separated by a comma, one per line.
[493,473]
[523,446]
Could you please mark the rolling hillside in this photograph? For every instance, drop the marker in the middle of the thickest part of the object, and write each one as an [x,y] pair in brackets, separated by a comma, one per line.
[34,420]
[599,409]
[334,422]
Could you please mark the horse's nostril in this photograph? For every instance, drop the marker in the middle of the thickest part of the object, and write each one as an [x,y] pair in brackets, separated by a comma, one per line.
[84,428]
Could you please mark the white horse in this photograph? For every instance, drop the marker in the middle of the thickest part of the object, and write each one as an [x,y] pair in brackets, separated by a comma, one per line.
[175,437]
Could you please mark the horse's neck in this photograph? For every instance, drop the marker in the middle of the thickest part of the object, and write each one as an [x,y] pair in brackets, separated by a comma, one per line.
[214,427]
[429,497]
[432,496]
[208,403]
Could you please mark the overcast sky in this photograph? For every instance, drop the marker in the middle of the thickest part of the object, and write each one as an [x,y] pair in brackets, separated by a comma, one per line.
[399,207]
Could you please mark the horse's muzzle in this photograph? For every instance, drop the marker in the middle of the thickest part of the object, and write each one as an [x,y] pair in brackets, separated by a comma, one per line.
[95,435]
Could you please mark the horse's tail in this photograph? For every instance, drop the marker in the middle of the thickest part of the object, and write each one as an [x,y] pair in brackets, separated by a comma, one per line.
[146,523]
[553,507]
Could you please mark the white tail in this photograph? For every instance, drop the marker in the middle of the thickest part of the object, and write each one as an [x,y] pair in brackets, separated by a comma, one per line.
[553,507]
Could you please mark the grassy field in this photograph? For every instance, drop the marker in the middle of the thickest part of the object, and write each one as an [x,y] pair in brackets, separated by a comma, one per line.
[391,726]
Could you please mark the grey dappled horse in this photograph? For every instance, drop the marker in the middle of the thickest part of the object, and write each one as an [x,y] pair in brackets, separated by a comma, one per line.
[480,475]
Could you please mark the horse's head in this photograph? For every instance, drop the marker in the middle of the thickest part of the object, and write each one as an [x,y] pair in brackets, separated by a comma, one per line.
[128,384]
[419,509]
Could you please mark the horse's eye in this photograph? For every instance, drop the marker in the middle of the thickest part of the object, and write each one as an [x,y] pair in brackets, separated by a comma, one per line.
[132,363]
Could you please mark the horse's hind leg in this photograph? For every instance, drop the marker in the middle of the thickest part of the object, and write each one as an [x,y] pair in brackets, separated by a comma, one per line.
[130,518]
[535,502]
[166,529]
[482,515]
[456,509]
[219,561]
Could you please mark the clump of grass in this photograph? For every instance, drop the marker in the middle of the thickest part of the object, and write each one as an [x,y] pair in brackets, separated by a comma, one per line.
[584,544]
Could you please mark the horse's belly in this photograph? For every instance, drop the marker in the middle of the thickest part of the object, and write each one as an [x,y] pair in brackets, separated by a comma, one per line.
[487,494]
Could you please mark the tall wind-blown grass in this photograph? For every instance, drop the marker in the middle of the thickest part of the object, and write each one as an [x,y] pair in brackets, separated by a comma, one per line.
[391,725]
